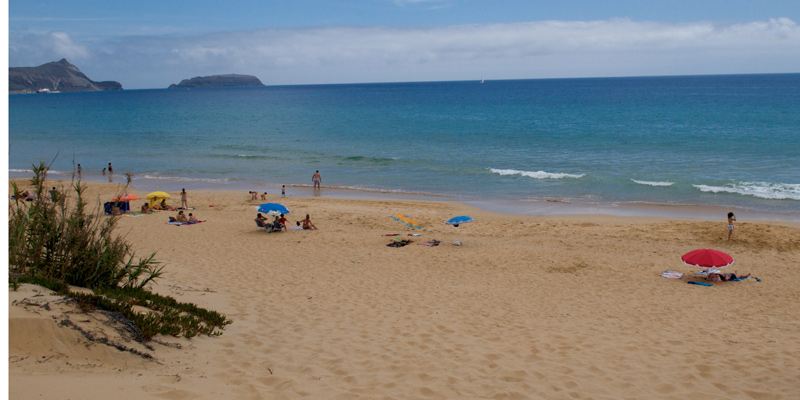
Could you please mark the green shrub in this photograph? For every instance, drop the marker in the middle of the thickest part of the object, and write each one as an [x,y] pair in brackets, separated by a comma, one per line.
[55,242]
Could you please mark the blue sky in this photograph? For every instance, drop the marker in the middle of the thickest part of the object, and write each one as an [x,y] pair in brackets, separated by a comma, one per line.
[153,43]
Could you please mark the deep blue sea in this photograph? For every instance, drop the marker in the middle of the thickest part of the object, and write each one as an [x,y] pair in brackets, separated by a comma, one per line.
[701,140]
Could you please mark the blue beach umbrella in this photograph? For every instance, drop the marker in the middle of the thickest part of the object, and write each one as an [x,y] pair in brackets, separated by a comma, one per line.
[461,219]
[273,208]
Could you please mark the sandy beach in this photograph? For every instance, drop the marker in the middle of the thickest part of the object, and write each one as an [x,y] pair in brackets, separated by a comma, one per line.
[557,307]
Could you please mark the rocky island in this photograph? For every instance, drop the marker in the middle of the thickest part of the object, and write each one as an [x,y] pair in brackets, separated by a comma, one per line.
[219,81]
[58,76]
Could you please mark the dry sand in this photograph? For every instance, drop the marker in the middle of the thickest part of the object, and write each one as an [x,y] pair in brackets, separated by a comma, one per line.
[528,307]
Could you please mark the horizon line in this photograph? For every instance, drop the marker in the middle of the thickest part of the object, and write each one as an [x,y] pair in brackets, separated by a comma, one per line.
[495,80]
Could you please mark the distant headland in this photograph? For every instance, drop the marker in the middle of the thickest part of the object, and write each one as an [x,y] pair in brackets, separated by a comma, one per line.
[219,81]
[53,77]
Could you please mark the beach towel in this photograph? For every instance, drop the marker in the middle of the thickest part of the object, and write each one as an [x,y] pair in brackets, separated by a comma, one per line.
[670,274]
[176,223]
[699,283]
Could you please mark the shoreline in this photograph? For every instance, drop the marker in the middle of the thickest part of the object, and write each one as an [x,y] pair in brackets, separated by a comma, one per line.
[542,207]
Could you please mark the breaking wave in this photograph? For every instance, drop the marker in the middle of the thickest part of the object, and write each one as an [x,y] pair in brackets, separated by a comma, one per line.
[762,190]
[653,183]
[536,174]
[182,178]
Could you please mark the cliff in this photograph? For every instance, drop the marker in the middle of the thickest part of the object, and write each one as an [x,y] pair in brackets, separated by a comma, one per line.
[219,81]
[55,76]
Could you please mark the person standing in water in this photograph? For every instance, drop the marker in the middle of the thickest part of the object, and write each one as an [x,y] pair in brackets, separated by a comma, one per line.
[80,171]
[316,179]
[731,221]
[184,202]
[283,190]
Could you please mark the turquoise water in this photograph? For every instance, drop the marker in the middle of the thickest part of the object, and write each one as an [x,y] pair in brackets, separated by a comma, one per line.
[707,140]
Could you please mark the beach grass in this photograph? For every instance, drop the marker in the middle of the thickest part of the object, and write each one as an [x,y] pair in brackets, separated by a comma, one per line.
[56,242]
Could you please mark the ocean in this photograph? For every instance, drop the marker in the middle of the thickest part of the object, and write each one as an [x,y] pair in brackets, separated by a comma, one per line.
[722,141]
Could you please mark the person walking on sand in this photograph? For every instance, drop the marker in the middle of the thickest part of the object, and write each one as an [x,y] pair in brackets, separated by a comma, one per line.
[283,190]
[731,221]
[184,203]
[316,179]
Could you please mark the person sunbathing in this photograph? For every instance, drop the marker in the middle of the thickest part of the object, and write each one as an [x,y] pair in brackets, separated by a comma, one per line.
[725,277]
[163,206]
[181,217]
[146,209]
[307,224]
[192,219]
[261,221]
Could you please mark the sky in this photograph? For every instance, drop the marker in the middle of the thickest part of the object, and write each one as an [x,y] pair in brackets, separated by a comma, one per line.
[151,44]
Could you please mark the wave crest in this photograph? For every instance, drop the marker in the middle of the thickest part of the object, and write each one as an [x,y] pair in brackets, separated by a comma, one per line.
[183,179]
[653,183]
[762,190]
[536,174]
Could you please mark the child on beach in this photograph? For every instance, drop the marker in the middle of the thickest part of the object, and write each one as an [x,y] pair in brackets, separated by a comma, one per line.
[253,195]
[264,196]
[297,226]
[283,190]
[731,220]
[192,219]
[282,221]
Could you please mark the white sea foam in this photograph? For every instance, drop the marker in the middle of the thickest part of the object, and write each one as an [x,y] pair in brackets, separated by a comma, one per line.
[536,174]
[28,171]
[653,183]
[762,190]
[183,179]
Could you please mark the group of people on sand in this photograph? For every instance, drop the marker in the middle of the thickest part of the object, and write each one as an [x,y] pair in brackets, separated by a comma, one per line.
[254,194]
[279,223]
[183,218]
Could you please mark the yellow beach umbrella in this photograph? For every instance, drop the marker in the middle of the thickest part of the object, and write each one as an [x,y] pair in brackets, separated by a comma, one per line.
[155,197]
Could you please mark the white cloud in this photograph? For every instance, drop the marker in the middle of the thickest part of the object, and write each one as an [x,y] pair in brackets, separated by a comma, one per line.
[512,50]
[38,48]
[63,46]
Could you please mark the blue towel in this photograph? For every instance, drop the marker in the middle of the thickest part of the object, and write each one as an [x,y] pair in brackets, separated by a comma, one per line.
[699,283]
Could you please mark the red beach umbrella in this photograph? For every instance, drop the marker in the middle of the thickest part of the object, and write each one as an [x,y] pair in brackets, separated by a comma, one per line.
[707,258]
[126,197]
